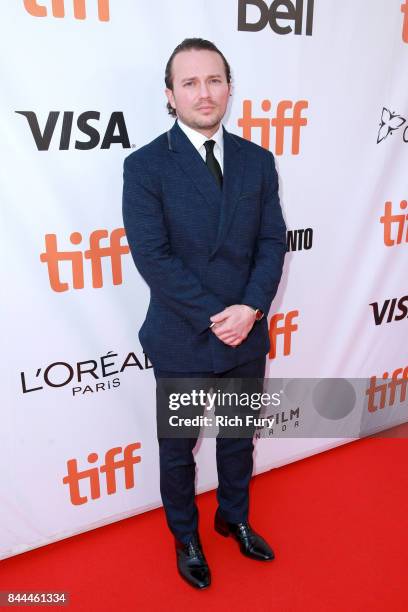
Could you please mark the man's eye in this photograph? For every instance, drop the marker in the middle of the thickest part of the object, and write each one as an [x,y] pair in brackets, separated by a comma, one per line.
[188,83]
[216,80]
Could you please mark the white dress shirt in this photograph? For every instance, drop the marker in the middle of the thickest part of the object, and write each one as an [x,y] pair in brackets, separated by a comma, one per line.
[198,140]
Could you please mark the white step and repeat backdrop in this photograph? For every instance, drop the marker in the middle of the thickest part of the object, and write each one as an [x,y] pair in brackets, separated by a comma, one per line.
[323,84]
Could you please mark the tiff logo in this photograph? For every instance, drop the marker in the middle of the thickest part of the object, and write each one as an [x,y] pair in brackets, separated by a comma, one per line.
[279,122]
[404,11]
[109,468]
[114,251]
[379,390]
[389,219]
[58,8]
[282,10]
[286,329]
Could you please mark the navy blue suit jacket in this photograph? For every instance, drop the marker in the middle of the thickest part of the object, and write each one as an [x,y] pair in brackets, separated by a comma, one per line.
[200,248]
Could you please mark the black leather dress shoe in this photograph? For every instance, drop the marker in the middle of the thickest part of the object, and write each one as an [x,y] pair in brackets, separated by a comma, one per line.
[192,564]
[251,544]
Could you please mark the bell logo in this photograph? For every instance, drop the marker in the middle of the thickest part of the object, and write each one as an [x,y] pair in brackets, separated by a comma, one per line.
[293,12]
[404,11]
[114,251]
[109,468]
[58,9]
[276,329]
[295,122]
[399,221]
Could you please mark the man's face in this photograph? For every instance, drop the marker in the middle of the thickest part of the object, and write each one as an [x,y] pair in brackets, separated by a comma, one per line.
[200,89]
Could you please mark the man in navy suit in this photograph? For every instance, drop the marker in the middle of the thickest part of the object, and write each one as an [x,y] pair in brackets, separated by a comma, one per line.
[205,228]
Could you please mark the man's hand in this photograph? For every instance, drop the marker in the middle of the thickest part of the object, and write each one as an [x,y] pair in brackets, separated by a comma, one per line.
[233,324]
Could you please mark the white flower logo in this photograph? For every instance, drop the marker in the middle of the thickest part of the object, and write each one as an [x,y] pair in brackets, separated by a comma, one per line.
[389,122]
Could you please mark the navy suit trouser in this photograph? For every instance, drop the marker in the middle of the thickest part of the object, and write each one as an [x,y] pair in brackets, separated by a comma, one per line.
[234,464]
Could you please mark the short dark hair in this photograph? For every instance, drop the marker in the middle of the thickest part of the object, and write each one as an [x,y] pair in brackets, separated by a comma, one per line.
[188,44]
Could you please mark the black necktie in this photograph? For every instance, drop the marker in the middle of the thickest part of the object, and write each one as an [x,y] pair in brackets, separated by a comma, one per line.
[212,162]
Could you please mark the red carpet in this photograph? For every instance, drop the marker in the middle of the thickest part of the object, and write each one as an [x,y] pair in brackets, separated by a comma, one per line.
[337,522]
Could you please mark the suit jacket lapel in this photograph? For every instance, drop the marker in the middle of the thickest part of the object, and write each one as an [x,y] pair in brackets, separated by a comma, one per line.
[232,185]
[193,165]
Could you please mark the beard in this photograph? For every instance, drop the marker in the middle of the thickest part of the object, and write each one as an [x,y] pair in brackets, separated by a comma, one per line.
[202,122]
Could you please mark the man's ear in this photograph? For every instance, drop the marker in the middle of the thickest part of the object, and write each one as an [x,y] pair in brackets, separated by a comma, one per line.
[170,97]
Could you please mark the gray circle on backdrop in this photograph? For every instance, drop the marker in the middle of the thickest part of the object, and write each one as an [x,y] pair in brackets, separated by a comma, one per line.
[297,389]
[334,398]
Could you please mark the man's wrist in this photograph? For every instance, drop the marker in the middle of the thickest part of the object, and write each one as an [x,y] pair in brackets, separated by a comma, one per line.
[258,312]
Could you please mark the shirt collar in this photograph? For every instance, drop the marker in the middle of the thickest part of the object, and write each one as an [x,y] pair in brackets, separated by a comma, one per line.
[198,139]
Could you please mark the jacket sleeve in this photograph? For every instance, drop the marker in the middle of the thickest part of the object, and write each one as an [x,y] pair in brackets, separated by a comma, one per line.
[166,274]
[271,246]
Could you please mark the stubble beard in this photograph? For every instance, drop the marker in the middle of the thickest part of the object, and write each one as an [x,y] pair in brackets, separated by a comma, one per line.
[203,123]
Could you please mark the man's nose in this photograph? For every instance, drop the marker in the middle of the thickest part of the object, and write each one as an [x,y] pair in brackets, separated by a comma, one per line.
[204,91]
